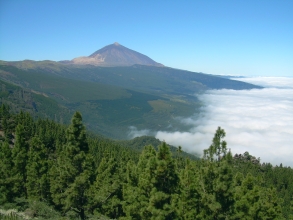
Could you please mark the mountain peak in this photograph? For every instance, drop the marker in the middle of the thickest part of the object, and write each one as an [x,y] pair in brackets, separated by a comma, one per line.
[115,55]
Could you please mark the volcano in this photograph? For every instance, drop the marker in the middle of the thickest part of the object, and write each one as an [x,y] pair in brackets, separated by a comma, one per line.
[115,55]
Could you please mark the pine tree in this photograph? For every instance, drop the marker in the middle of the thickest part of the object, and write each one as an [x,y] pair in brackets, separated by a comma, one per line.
[20,159]
[71,174]
[209,206]
[7,123]
[218,147]
[270,205]
[164,193]
[37,169]
[247,197]
[6,165]
[224,187]
[190,192]
[131,205]
[140,182]
[214,169]
[106,191]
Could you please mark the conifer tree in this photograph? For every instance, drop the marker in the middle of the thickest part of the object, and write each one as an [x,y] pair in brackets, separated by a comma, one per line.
[211,173]
[165,186]
[140,182]
[7,123]
[247,197]
[218,147]
[190,193]
[224,187]
[130,203]
[20,159]
[270,205]
[26,120]
[6,165]
[37,169]
[71,174]
[106,191]
[209,205]
[180,162]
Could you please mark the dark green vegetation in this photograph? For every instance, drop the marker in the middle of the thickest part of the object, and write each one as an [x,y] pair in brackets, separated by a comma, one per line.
[52,171]
[138,144]
[37,104]
[114,98]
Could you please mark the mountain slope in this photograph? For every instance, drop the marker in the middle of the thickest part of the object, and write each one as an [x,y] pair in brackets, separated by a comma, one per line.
[108,109]
[146,95]
[36,103]
[115,55]
[142,77]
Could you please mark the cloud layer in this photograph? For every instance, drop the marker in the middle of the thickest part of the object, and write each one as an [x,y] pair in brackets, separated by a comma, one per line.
[257,121]
[134,132]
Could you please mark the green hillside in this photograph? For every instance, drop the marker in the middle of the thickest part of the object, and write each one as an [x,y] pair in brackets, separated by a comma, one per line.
[37,104]
[53,171]
[137,77]
[108,109]
[138,144]
[115,98]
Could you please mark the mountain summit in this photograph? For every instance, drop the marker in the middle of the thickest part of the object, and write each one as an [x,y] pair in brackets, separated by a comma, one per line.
[115,55]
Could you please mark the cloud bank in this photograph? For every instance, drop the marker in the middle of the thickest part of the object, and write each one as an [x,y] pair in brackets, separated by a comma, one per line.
[259,121]
[134,132]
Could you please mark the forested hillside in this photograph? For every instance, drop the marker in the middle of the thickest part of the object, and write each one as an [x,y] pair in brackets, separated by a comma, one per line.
[52,171]
[113,99]
[37,104]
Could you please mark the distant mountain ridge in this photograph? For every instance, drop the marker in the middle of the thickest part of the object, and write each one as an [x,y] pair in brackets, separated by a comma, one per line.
[114,55]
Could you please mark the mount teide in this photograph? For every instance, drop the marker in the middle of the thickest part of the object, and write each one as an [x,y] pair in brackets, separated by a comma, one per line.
[114,55]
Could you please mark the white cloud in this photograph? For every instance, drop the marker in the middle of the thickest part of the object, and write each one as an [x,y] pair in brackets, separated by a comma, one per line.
[259,121]
[134,132]
[272,82]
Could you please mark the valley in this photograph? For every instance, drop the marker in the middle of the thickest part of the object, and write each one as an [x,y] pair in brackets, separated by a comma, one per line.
[116,91]
[114,98]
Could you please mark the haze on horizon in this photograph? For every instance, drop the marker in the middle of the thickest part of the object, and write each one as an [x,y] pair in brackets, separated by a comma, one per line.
[248,38]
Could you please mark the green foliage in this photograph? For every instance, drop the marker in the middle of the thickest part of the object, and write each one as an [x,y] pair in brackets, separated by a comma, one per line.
[6,181]
[218,147]
[41,210]
[106,191]
[52,171]
[155,188]
[140,182]
[72,172]
[139,143]
[10,216]
[20,159]
[98,94]
[37,170]
[36,103]
[189,203]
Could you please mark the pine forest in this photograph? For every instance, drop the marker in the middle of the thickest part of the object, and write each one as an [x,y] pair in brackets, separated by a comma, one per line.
[56,171]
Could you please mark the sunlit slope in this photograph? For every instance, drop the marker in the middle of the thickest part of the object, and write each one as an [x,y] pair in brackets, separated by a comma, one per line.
[147,78]
[107,108]
[62,89]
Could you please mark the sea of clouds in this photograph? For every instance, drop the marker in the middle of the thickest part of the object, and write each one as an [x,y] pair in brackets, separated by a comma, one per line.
[259,121]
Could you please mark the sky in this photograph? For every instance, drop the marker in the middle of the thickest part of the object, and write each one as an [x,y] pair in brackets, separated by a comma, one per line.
[226,37]
[259,121]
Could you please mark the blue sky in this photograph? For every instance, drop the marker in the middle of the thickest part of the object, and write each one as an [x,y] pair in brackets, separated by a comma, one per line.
[249,38]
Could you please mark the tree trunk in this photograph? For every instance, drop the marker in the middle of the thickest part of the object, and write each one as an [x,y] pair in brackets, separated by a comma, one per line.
[81,214]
